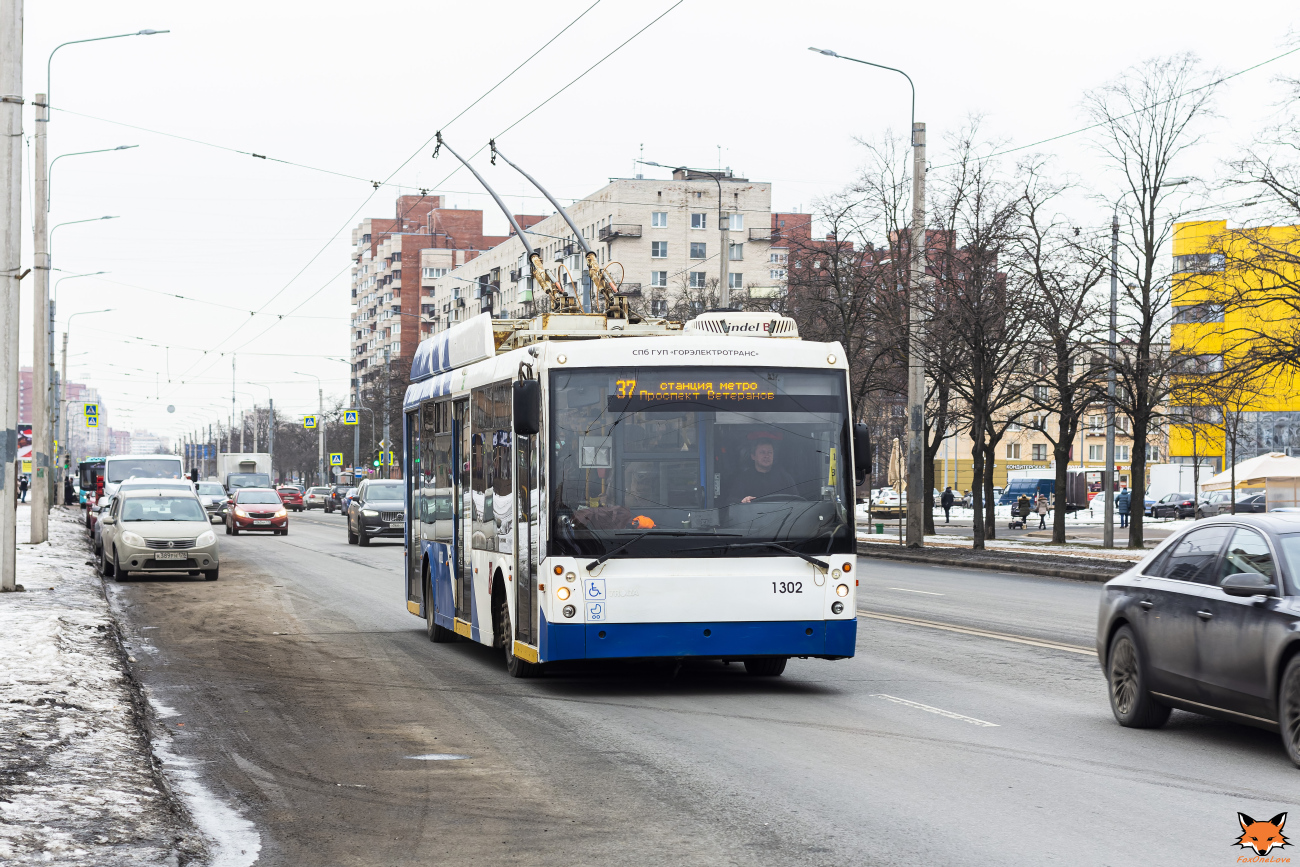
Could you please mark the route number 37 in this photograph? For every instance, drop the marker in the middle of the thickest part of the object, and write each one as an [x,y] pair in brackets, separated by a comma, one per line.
[787,586]
[626,387]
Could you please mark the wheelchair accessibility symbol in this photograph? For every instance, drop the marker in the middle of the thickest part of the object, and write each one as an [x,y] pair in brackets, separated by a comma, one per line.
[595,610]
[594,588]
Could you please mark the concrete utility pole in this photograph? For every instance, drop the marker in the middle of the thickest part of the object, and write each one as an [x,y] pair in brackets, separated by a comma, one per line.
[230,440]
[1108,476]
[320,435]
[270,433]
[915,365]
[356,435]
[11,181]
[724,225]
[41,416]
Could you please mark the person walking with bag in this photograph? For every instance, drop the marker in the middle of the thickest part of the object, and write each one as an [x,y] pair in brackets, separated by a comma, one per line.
[1041,508]
[946,500]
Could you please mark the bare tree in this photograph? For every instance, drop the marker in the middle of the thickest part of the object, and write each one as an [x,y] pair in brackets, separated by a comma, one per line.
[985,324]
[1146,118]
[1060,272]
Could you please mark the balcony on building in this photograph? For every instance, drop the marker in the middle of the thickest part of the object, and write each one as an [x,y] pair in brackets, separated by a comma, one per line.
[619,230]
[760,234]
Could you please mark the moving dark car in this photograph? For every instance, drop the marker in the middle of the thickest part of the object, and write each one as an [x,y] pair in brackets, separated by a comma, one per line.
[256,509]
[377,510]
[1209,622]
[334,501]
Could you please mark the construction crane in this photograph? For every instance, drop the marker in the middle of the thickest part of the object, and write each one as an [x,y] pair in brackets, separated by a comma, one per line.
[616,306]
[561,302]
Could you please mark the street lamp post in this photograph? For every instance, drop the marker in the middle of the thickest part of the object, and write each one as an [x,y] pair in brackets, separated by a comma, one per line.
[915,364]
[42,349]
[49,175]
[724,226]
[320,428]
[270,424]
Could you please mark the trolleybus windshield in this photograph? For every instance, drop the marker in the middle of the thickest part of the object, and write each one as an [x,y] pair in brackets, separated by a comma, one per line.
[667,461]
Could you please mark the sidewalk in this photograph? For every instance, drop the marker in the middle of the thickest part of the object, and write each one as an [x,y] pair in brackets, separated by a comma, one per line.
[79,784]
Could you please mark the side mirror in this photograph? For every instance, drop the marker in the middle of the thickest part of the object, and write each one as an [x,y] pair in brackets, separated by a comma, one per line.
[107,519]
[528,407]
[861,451]
[1248,584]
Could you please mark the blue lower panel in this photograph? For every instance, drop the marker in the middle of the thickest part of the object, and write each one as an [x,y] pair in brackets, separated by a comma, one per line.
[729,639]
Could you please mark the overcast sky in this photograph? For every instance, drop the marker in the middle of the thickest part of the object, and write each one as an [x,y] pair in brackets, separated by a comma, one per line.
[359,88]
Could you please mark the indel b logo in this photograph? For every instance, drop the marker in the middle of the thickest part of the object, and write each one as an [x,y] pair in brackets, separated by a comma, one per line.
[1262,837]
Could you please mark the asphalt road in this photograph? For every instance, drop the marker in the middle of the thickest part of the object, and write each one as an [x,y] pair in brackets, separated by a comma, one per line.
[971,728]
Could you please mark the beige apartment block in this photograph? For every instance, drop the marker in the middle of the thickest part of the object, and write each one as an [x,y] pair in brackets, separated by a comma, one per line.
[661,236]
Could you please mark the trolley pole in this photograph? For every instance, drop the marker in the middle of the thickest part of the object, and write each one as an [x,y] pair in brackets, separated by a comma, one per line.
[11,178]
[41,470]
[915,365]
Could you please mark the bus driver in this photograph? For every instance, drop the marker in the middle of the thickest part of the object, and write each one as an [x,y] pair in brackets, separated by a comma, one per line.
[762,478]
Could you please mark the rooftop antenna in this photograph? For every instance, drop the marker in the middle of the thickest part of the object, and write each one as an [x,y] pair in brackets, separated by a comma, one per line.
[560,302]
[616,306]
[639,175]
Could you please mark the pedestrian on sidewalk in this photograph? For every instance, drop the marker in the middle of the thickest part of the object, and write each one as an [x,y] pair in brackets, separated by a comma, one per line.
[23,485]
[946,501]
[1041,509]
[1024,506]
[69,492]
[1122,505]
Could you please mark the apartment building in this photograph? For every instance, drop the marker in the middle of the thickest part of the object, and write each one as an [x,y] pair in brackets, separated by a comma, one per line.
[662,238]
[1213,264]
[390,313]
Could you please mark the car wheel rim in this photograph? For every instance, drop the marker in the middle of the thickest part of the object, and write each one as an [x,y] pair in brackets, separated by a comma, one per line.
[1123,676]
[1291,713]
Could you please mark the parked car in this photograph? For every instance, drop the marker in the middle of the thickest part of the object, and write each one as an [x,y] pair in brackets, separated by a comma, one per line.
[1209,622]
[258,509]
[1173,506]
[213,497]
[377,510]
[99,510]
[315,497]
[1214,503]
[1251,503]
[156,530]
[291,496]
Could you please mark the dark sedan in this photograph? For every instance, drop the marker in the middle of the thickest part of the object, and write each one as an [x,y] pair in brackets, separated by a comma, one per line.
[377,510]
[334,500]
[1173,506]
[1209,622]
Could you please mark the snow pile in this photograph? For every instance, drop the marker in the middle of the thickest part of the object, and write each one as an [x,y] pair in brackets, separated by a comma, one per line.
[78,783]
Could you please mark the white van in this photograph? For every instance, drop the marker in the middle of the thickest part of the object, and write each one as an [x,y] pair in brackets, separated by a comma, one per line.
[119,468]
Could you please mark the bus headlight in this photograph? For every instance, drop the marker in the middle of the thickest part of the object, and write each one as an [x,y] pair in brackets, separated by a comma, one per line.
[562,593]
[842,590]
[569,611]
[837,607]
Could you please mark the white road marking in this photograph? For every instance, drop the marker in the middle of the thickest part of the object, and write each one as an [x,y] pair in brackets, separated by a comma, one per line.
[981,633]
[926,592]
[936,710]
[438,757]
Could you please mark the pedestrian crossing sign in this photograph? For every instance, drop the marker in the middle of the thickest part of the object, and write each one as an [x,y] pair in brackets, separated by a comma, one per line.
[92,421]
[309,422]
[91,411]
[336,459]
[350,416]
[91,408]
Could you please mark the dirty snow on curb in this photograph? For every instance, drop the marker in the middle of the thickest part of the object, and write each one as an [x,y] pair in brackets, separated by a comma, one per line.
[77,776]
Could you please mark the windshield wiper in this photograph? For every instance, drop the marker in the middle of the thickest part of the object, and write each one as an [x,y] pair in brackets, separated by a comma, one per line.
[655,532]
[728,546]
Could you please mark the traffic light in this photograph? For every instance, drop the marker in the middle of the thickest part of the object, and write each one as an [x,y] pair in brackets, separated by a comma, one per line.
[379,456]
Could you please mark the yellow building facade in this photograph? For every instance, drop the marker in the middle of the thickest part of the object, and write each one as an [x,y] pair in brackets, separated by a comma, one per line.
[1220,298]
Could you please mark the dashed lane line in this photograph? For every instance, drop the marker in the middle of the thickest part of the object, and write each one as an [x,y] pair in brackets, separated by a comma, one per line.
[980,633]
[926,592]
[935,710]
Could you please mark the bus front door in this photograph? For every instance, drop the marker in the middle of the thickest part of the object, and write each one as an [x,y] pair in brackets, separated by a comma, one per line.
[464,510]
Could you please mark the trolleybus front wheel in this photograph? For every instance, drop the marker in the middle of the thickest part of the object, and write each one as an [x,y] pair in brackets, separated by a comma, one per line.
[437,634]
[515,666]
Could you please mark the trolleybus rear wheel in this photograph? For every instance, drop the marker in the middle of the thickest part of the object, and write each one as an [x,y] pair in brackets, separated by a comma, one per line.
[437,634]
[768,666]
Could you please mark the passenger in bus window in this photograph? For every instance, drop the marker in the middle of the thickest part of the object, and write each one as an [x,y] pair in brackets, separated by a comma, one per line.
[762,477]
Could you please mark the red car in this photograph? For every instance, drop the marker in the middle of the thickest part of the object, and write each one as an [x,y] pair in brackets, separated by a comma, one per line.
[257,509]
[291,497]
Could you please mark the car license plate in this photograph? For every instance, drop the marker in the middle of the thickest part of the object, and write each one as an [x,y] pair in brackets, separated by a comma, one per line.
[169,555]
[398,525]
[260,523]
